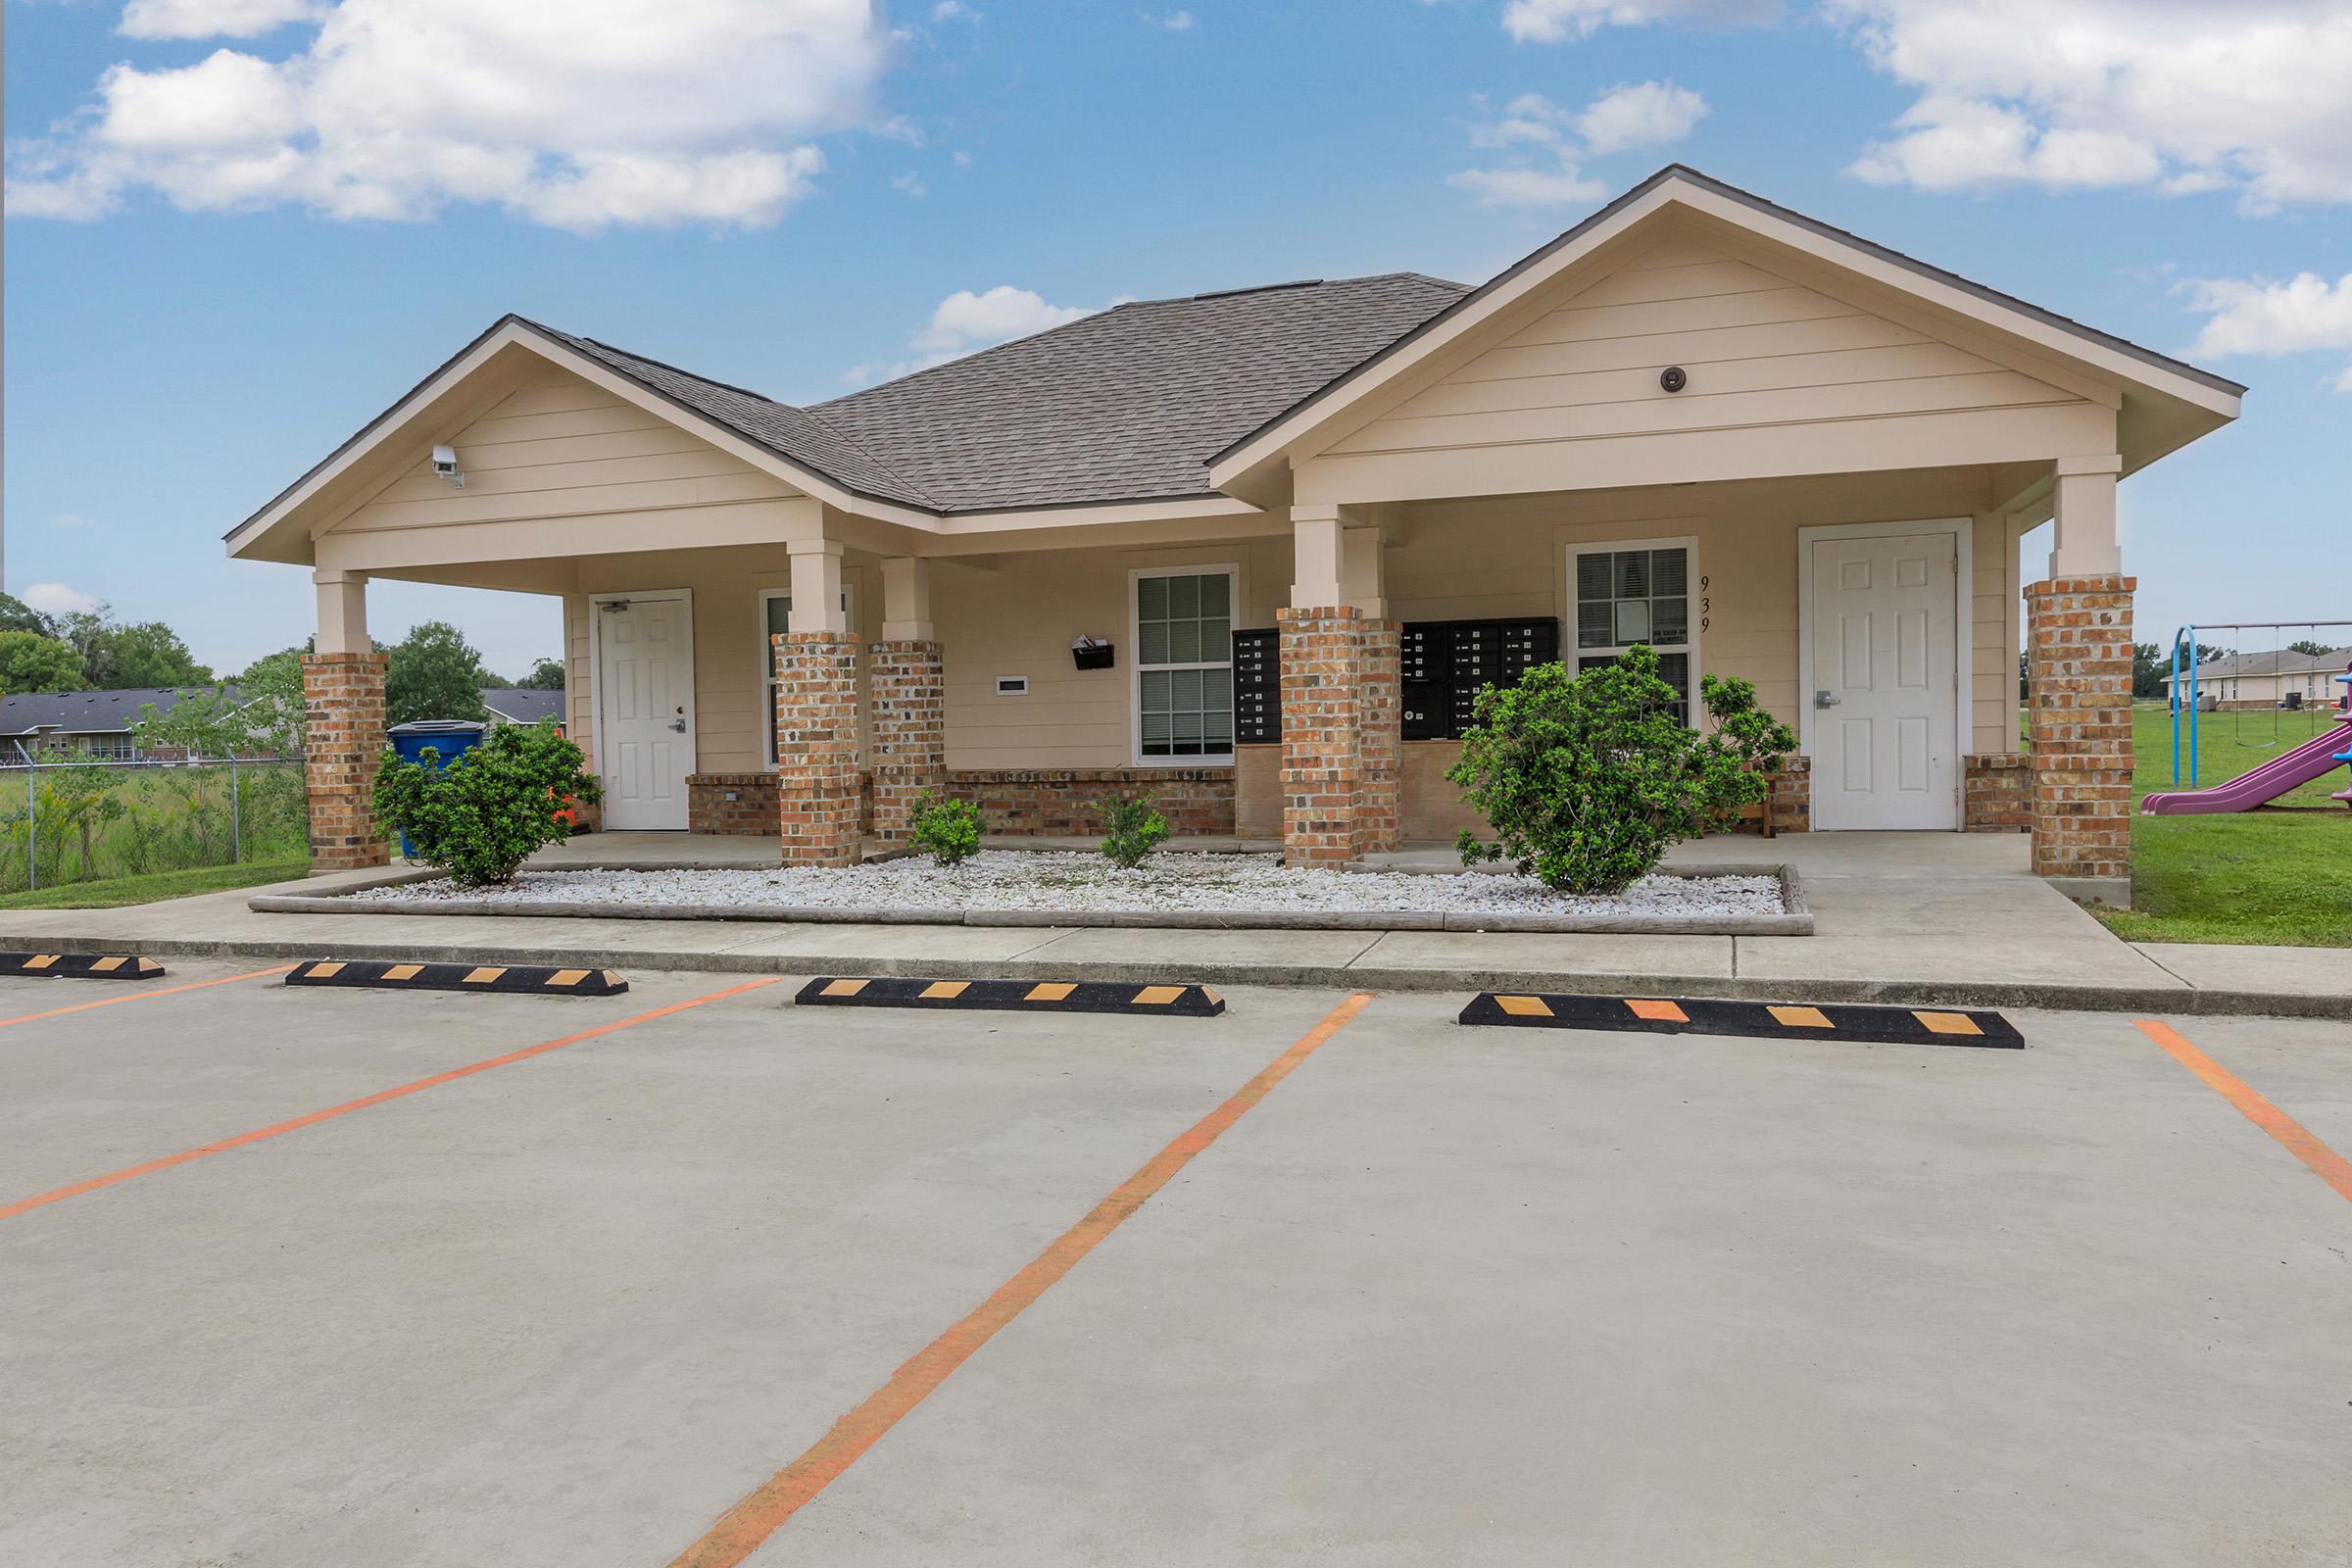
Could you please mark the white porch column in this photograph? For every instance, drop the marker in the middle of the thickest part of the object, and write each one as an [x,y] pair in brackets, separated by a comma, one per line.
[905,599]
[816,586]
[343,695]
[1321,652]
[817,787]
[2083,506]
[342,612]
[1318,568]
[910,698]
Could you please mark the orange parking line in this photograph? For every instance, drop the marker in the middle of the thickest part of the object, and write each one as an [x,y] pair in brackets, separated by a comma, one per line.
[742,1529]
[42,1200]
[2291,1134]
[143,996]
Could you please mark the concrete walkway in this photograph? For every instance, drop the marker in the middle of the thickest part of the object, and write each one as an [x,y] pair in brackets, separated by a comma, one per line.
[1940,917]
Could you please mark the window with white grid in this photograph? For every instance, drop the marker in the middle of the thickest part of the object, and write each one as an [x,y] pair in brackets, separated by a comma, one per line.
[1184,665]
[1638,593]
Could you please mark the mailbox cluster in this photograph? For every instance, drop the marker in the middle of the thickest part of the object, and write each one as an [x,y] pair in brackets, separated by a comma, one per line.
[1257,688]
[1443,664]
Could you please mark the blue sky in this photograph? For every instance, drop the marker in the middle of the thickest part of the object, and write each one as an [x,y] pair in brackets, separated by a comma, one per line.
[238,228]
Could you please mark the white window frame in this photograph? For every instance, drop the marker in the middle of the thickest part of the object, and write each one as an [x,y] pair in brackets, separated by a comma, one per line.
[768,664]
[1573,653]
[1231,572]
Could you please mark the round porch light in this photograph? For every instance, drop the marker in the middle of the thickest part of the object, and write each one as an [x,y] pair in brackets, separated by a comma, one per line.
[1674,378]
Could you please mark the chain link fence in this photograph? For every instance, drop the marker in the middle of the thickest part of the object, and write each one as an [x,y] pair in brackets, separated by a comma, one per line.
[74,819]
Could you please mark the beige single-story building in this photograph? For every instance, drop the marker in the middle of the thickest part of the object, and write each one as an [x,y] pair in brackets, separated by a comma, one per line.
[1255,550]
[2268,679]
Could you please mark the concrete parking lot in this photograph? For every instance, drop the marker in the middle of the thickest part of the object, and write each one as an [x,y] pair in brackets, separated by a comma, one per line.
[1421,1294]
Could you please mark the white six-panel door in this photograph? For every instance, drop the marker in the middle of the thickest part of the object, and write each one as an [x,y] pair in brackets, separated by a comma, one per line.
[1885,699]
[644,708]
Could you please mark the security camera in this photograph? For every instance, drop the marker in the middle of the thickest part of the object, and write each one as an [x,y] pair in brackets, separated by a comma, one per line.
[445,466]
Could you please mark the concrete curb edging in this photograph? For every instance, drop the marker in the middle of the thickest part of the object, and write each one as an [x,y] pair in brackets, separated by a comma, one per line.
[2184,1002]
[1797,920]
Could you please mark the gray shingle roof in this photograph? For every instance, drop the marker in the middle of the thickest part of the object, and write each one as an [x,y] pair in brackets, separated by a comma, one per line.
[2284,662]
[91,712]
[1126,405]
[522,705]
[1130,404]
[786,430]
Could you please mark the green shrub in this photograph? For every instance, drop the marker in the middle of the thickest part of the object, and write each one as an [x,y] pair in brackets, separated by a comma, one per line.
[1760,741]
[1587,778]
[946,830]
[483,815]
[1131,829]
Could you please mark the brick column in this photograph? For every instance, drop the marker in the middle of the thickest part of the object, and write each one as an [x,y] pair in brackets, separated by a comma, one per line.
[817,747]
[1379,735]
[1321,761]
[2079,641]
[343,695]
[909,730]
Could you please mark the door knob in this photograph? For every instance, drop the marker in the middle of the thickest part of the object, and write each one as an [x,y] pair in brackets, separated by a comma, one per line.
[678,724]
[1826,699]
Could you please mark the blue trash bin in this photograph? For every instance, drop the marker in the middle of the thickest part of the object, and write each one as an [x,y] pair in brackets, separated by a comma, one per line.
[450,739]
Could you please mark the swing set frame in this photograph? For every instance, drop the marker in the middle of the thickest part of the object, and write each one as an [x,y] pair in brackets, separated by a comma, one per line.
[2187,639]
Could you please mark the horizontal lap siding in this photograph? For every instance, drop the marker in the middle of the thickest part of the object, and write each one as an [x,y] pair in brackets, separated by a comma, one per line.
[560,447]
[1760,352]
[731,710]
[1019,620]
[1507,557]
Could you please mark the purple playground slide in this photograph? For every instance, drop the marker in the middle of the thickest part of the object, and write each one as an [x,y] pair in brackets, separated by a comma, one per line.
[2274,779]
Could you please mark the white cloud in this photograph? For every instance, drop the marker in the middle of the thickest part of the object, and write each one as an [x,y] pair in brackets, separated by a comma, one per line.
[966,322]
[1555,138]
[963,160]
[2172,95]
[949,9]
[1527,188]
[577,113]
[56,598]
[1564,21]
[1647,114]
[2251,316]
[911,183]
[212,19]
[1173,22]
[69,519]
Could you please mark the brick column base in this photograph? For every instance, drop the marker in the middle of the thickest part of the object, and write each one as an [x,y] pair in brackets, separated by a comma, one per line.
[343,696]
[911,754]
[817,786]
[2079,648]
[1379,735]
[1321,759]
[1997,792]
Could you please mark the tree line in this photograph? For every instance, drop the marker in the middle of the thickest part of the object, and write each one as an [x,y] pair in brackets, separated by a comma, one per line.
[433,672]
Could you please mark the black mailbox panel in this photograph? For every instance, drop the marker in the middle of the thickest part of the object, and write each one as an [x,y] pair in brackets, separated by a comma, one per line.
[1257,688]
[1444,664]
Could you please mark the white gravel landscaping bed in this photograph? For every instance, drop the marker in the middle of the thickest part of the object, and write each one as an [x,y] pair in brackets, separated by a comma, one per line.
[1028,887]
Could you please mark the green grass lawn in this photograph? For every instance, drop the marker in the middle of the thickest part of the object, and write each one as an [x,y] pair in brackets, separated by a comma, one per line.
[109,893]
[2279,874]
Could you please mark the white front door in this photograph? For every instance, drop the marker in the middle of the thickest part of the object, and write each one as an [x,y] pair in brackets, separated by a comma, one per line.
[1884,719]
[644,708]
